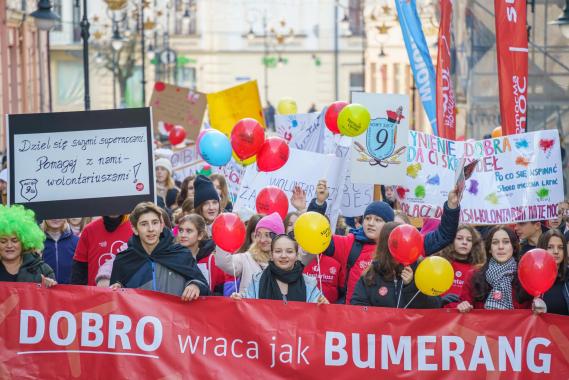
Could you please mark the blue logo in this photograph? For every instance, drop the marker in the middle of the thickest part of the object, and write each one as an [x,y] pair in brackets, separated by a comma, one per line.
[380,138]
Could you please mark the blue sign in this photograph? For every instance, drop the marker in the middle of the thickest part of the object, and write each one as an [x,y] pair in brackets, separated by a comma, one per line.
[380,138]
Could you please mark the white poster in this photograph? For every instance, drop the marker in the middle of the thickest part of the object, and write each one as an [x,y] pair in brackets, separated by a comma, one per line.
[80,164]
[303,168]
[517,178]
[378,155]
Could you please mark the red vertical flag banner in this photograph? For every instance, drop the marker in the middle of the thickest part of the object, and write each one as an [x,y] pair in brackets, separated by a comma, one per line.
[446,111]
[512,52]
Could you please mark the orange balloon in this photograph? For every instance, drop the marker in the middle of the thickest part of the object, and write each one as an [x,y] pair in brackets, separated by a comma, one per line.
[497,132]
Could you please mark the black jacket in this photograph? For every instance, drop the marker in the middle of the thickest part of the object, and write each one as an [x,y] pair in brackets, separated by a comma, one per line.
[386,293]
[32,269]
[167,253]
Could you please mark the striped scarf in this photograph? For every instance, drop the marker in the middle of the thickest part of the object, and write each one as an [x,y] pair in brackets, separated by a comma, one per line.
[500,277]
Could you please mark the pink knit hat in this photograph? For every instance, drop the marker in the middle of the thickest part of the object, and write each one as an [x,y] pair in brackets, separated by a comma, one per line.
[273,223]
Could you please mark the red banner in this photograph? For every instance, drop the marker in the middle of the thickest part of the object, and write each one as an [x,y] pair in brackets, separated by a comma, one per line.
[72,332]
[446,105]
[512,52]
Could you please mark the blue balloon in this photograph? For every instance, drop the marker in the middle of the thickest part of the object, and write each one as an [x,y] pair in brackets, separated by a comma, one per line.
[215,148]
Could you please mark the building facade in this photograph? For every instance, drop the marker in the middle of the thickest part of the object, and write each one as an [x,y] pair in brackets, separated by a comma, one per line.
[23,62]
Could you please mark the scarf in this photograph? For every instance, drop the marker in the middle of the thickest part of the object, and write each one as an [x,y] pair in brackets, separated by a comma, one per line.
[269,289]
[167,253]
[111,224]
[500,277]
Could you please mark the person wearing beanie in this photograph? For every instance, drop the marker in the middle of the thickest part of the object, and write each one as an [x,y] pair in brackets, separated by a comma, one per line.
[256,259]
[165,186]
[356,250]
[206,200]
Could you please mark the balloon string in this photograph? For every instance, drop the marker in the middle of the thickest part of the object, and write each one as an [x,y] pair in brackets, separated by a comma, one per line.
[319,273]
[409,303]
[234,276]
[400,291]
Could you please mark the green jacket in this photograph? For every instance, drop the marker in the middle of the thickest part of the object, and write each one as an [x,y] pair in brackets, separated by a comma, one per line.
[32,268]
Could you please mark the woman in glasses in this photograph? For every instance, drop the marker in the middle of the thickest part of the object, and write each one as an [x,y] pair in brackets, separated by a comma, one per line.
[245,265]
[283,278]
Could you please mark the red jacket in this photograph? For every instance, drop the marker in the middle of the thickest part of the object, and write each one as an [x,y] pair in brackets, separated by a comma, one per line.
[342,248]
[332,275]
[462,274]
[215,277]
[468,295]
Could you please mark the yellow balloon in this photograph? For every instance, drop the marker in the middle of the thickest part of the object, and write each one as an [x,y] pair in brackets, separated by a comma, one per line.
[496,132]
[246,162]
[434,276]
[312,232]
[287,106]
[353,120]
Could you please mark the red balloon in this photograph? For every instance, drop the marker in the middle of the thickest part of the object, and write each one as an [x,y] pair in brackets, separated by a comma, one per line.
[168,127]
[405,244]
[331,116]
[273,154]
[272,199]
[177,134]
[228,232]
[247,137]
[537,271]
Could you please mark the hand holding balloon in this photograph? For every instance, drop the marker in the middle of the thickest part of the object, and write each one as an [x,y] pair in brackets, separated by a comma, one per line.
[407,275]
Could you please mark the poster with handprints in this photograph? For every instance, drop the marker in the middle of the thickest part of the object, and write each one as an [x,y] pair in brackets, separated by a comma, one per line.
[73,164]
[174,105]
[515,178]
[378,155]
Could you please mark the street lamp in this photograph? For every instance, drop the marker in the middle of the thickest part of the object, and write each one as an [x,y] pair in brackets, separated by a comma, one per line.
[116,40]
[44,17]
[563,20]
[85,37]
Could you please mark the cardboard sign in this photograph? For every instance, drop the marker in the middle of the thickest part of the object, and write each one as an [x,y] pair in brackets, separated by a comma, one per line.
[379,153]
[517,178]
[174,105]
[303,168]
[227,107]
[306,131]
[77,164]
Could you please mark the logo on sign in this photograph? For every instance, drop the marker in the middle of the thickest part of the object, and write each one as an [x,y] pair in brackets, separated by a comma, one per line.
[28,190]
[381,139]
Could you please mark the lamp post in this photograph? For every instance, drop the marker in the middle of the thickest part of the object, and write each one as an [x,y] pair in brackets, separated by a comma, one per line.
[563,20]
[84,24]
[45,20]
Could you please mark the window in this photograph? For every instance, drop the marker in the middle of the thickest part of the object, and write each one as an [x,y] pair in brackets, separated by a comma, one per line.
[57,9]
[69,82]
[356,17]
[356,82]
[186,76]
[76,20]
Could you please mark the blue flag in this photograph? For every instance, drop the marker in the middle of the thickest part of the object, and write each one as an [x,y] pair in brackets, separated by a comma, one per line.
[421,63]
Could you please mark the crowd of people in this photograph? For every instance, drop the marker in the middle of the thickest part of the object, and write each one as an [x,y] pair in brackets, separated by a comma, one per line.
[168,247]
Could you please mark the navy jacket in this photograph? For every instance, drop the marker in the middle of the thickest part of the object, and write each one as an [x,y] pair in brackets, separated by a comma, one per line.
[59,255]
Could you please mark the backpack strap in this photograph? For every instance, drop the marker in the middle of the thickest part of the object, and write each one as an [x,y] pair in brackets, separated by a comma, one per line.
[352,258]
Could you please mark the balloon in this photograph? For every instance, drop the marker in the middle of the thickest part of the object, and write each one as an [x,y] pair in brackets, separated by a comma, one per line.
[273,154]
[331,116]
[246,162]
[496,132]
[405,244]
[215,148]
[272,199]
[312,232]
[287,106]
[177,135]
[434,276]
[537,271]
[247,136]
[168,127]
[353,120]
[228,232]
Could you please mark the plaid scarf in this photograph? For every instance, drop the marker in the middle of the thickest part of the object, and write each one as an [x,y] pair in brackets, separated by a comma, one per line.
[500,277]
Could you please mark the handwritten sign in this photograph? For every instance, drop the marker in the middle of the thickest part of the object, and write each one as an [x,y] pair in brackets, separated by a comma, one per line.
[306,131]
[517,178]
[379,154]
[68,165]
[174,105]
[303,168]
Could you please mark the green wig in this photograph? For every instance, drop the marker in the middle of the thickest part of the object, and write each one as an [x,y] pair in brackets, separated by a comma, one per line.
[16,220]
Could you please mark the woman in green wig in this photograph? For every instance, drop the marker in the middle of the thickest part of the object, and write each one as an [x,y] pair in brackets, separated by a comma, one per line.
[20,240]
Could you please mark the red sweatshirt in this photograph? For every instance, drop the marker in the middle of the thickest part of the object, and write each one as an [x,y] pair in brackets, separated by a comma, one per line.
[462,273]
[333,277]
